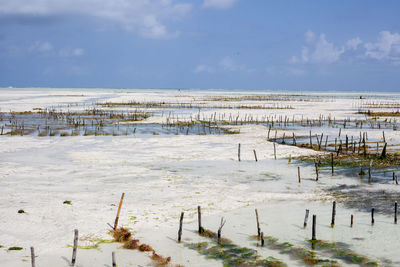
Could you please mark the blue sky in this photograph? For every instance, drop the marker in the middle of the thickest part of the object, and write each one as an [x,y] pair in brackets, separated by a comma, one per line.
[230,44]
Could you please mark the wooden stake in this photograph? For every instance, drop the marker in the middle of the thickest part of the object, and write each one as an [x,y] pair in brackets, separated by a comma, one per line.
[255,155]
[372,216]
[262,239]
[316,170]
[314,222]
[332,163]
[258,225]
[33,255]
[180,227]
[333,214]
[75,247]
[114,264]
[351,220]
[274,151]
[199,219]
[298,173]
[239,152]
[119,210]
[220,228]
[306,218]
[395,212]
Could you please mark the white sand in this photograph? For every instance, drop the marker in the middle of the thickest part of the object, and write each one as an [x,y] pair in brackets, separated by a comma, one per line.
[163,175]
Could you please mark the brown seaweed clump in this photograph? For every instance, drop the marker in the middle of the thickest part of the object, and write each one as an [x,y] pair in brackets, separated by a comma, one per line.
[131,244]
[144,247]
[160,260]
[121,234]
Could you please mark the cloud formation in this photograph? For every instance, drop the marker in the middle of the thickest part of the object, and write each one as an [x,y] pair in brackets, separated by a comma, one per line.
[318,50]
[219,4]
[225,64]
[386,47]
[146,17]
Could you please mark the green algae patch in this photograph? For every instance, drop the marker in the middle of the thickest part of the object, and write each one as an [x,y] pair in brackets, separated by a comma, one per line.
[342,252]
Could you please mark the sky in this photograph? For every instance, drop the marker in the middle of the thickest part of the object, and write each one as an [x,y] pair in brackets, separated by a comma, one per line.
[205,44]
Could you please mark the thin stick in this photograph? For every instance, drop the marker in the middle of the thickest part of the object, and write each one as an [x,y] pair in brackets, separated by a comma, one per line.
[220,228]
[239,152]
[180,227]
[255,155]
[258,225]
[199,219]
[119,210]
[306,218]
[351,220]
[75,247]
[33,256]
[332,163]
[114,264]
[298,173]
[333,214]
[314,222]
[274,150]
[262,239]
[395,212]
[372,216]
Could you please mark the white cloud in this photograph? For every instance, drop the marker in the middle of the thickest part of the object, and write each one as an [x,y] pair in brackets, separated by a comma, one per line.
[225,64]
[41,47]
[204,68]
[353,43]
[310,36]
[386,47]
[325,51]
[318,50]
[219,4]
[68,52]
[146,17]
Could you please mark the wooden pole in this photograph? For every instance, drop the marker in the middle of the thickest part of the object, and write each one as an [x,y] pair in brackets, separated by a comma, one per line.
[220,228]
[262,239]
[332,163]
[316,170]
[33,255]
[395,212]
[75,247]
[274,151]
[351,220]
[239,152]
[180,227]
[199,219]
[372,216]
[333,214]
[119,210]
[258,225]
[306,218]
[114,264]
[314,222]
[298,173]
[255,155]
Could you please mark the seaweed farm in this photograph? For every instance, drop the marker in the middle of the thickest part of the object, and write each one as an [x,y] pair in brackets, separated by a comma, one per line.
[151,177]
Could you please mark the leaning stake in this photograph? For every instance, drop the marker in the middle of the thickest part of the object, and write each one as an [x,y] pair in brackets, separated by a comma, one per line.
[75,247]
[180,227]
[33,256]
[258,225]
[119,210]
[306,218]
